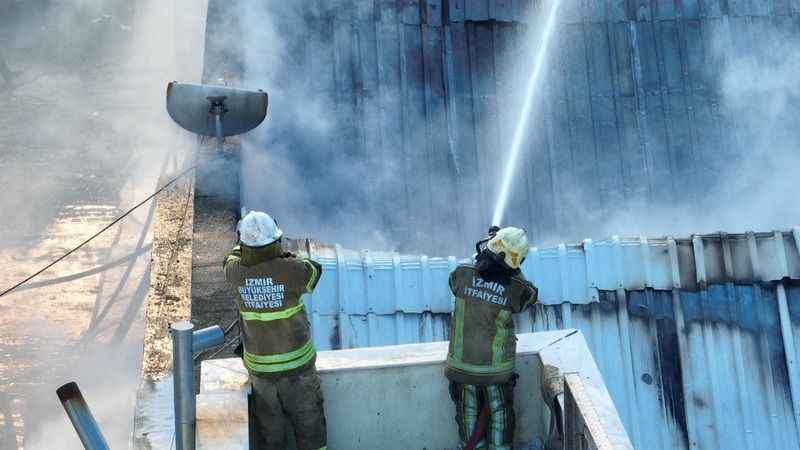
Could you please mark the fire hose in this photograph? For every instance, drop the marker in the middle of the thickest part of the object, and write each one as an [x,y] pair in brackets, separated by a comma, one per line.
[479,430]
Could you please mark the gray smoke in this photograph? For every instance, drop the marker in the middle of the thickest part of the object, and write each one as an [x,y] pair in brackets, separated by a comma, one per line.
[83,137]
[746,178]
[332,161]
[308,164]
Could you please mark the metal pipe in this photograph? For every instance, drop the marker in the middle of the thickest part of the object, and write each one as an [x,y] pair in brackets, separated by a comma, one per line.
[183,385]
[81,417]
[185,342]
[220,135]
[217,110]
[207,338]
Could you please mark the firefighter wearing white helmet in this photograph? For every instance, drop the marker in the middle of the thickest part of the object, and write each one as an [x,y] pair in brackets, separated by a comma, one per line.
[480,359]
[258,229]
[278,352]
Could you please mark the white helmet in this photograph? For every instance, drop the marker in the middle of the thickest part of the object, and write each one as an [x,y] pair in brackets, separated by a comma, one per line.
[511,244]
[258,229]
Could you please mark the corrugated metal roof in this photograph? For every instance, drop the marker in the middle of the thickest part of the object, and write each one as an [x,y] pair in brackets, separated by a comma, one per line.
[696,338]
[407,109]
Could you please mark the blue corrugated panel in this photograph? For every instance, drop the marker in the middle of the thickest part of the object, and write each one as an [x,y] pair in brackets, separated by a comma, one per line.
[696,338]
[721,384]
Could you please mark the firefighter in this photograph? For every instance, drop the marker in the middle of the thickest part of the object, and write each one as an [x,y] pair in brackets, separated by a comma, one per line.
[480,359]
[278,351]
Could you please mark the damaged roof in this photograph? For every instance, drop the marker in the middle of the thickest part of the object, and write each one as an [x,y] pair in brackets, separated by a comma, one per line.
[696,337]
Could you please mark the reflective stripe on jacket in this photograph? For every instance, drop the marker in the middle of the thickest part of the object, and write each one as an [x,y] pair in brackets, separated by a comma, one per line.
[482,336]
[269,293]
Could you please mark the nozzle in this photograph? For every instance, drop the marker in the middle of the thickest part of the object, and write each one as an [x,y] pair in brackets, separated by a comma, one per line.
[491,233]
[217,104]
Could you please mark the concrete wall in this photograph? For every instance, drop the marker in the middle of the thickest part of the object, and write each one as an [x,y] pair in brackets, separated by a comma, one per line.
[406,404]
[396,398]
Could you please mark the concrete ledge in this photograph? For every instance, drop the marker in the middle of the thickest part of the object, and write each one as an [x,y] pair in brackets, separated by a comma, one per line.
[222,420]
[396,398]
[230,374]
[593,401]
[392,398]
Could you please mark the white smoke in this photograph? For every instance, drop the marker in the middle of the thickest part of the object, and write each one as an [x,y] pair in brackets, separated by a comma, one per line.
[83,137]
[752,186]
[302,167]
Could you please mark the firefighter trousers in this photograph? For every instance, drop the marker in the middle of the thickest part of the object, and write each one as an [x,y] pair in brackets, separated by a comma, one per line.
[296,399]
[470,399]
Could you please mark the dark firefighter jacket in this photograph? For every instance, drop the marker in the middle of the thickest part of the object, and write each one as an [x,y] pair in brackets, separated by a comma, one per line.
[275,329]
[482,338]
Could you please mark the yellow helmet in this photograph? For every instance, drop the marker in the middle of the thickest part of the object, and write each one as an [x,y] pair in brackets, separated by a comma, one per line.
[511,244]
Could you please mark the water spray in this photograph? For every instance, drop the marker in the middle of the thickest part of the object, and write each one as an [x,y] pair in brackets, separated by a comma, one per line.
[524,119]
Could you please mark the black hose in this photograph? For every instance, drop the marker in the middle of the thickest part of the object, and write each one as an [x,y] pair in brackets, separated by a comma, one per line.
[59,259]
[86,273]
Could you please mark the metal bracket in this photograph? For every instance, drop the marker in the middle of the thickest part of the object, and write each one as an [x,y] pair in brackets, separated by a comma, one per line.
[200,108]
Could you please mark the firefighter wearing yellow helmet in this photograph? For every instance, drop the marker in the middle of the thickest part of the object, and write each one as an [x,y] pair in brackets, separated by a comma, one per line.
[278,351]
[480,359]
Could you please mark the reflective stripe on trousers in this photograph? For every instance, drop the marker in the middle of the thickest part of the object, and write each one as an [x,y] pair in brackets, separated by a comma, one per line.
[469,399]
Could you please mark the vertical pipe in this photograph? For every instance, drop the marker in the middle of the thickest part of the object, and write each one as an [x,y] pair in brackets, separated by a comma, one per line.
[81,417]
[183,385]
[220,135]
